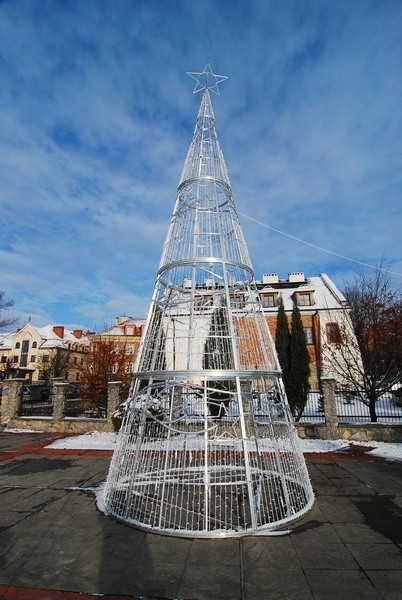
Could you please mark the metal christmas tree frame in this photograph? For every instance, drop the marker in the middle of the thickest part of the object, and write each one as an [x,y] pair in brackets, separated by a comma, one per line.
[207,447]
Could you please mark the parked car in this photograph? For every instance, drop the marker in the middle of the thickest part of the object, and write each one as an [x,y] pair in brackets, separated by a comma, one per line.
[40,392]
[73,391]
[397,394]
[35,392]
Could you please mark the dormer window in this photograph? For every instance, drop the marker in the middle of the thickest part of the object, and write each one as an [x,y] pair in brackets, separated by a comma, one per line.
[237,301]
[304,299]
[269,300]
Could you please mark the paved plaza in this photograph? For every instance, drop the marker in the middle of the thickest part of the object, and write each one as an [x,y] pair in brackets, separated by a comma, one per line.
[54,543]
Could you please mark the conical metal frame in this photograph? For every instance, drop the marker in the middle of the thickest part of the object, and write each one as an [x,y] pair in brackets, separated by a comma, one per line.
[207,447]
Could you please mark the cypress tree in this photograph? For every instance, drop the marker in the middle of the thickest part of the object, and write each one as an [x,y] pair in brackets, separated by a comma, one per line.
[218,352]
[299,369]
[218,355]
[282,343]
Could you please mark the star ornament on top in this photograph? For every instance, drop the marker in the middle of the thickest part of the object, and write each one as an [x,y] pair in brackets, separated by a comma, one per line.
[207,80]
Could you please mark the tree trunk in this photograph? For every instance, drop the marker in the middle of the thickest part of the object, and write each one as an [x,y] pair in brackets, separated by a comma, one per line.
[373,414]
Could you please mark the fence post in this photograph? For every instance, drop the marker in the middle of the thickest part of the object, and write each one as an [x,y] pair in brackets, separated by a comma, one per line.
[12,389]
[113,397]
[58,396]
[330,410]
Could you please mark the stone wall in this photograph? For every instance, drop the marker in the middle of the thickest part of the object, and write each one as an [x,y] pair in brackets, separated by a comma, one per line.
[369,432]
[57,423]
[330,430]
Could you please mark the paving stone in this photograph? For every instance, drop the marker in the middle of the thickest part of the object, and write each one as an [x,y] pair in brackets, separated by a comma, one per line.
[267,553]
[213,552]
[341,511]
[289,584]
[353,532]
[388,583]
[53,536]
[220,582]
[330,584]
[325,555]
[370,556]
[165,550]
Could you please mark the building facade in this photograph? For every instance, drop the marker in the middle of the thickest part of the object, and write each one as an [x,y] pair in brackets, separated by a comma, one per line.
[33,353]
[323,308]
[126,331]
[40,353]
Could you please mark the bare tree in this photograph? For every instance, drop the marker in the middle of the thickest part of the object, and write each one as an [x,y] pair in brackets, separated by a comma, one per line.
[7,368]
[55,365]
[368,355]
[106,360]
[5,319]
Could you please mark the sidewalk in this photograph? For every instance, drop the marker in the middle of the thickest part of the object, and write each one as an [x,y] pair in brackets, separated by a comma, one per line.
[54,540]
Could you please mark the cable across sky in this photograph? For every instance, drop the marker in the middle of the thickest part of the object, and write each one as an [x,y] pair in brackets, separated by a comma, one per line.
[293,237]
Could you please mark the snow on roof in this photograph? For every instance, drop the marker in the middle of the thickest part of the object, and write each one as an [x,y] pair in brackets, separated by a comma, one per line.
[6,340]
[326,294]
[119,329]
[52,340]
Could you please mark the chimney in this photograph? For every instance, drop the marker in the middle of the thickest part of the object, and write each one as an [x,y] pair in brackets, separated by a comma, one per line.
[77,333]
[297,277]
[270,278]
[59,330]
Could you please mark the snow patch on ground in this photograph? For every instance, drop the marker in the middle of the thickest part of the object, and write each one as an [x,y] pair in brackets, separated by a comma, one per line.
[95,440]
[323,445]
[107,441]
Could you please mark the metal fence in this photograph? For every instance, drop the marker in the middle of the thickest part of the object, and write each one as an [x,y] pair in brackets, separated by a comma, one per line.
[314,409]
[36,401]
[82,409]
[352,409]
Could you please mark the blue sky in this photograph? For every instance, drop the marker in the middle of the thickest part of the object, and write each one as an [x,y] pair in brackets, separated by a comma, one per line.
[97,113]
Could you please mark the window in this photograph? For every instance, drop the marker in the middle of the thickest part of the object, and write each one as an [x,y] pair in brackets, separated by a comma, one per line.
[15,359]
[309,335]
[34,344]
[333,333]
[45,358]
[304,299]
[24,353]
[129,330]
[129,350]
[237,301]
[33,358]
[268,300]
[17,345]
